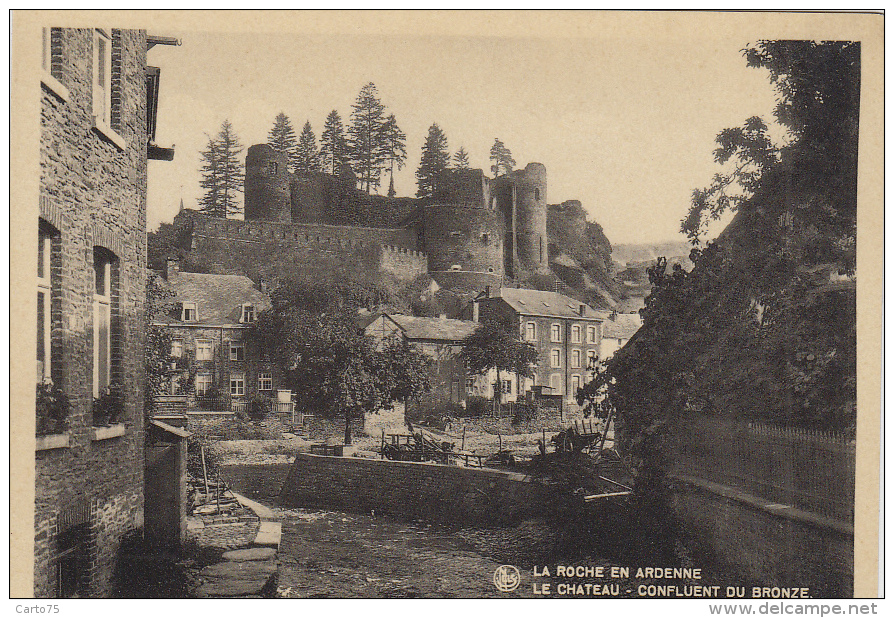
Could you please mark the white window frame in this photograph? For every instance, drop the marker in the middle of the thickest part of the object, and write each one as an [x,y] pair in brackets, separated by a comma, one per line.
[203,384]
[200,345]
[574,387]
[237,385]
[185,316]
[265,381]
[555,333]
[575,359]
[235,347]
[506,387]
[49,80]
[555,358]
[102,312]
[177,347]
[102,79]
[591,334]
[591,354]
[575,333]
[531,331]
[248,313]
[470,383]
[45,287]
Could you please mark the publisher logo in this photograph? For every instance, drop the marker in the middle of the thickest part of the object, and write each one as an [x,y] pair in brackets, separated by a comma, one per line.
[506,578]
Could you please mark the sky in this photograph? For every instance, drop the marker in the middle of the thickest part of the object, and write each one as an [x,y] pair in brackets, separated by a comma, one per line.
[625,125]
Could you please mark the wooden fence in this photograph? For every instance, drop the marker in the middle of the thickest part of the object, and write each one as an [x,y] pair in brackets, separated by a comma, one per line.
[809,469]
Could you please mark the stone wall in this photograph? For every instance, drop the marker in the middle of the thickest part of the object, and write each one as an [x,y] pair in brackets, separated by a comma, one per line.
[432,492]
[93,193]
[459,236]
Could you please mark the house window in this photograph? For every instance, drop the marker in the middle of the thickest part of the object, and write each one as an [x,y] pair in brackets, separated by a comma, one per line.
[575,358]
[507,386]
[591,334]
[177,348]
[248,314]
[204,349]
[575,334]
[592,359]
[102,78]
[203,384]
[45,263]
[102,319]
[272,168]
[190,312]
[556,333]
[555,382]
[555,358]
[531,331]
[470,383]
[575,384]
[237,351]
[265,381]
[237,385]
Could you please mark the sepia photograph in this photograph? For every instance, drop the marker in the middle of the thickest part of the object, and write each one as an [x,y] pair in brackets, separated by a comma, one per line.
[430,305]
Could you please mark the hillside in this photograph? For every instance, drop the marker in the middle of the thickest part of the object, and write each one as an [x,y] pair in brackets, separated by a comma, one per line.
[624,254]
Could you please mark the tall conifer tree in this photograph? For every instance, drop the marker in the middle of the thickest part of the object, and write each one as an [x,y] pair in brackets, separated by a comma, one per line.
[307,158]
[282,138]
[395,149]
[435,161]
[223,173]
[365,137]
[334,151]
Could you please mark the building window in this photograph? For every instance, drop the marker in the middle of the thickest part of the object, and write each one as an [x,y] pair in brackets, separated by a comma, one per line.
[102,319]
[575,334]
[456,267]
[102,78]
[190,313]
[248,314]
[470,383]
[531,331]
[237,351]
[575,384]
[555,358]
[176,348]
[507,386]
[45,264]
[272,168]
[575,358]
[536,194]
[204,349]
[591,334]
[265,381]
[556,333]
[592,359]
[555,382]
[485,237]
[203,384]
[237,385]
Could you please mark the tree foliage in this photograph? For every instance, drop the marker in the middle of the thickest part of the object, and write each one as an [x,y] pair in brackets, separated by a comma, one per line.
[502,158]
[157,348]
[461,159]
[494,346]
[365,137]
[394,147]
[434,162]
[310,332]
[306,157]
[334,151]
[282,139]
[223,173]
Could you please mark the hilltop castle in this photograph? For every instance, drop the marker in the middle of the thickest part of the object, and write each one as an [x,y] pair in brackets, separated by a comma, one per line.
[476,231]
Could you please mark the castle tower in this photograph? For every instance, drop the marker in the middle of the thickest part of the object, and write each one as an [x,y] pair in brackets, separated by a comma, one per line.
[530,218]
[267,185]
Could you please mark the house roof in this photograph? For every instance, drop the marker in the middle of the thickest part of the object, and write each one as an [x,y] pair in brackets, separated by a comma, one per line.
[622,326]
[218,298]
[436,329]
[550,304]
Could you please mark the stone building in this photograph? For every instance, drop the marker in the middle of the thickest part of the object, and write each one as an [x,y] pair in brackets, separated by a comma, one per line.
[617,331]
[97,119]
[566,333]
[210,316]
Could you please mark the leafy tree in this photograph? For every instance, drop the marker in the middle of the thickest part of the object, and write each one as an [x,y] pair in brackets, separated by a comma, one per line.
[434,162]
[223,173]
[502,158]
[310,332]
[395,149]
[167,241]
[306,157]
[493,346]
[461,159]
[365,137]
[334,150]
[282,139]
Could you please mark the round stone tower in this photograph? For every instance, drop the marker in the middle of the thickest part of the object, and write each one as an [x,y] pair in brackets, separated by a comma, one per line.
[464,244]
[530,218]
[267,181]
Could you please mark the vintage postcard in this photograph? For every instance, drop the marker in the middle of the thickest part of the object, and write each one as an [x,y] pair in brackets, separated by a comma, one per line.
[490,305]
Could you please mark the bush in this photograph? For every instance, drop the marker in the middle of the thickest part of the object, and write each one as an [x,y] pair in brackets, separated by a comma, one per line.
[523,412]
[258,408]
[477,406]
[436,413]
[109,406]
[52,408]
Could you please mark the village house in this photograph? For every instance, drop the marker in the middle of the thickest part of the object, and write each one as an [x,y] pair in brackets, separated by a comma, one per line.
[97,130]
[565,332]
[210,316]
[617,331]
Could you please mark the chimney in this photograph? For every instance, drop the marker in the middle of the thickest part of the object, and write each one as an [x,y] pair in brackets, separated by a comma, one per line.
[582,309]
[172,267]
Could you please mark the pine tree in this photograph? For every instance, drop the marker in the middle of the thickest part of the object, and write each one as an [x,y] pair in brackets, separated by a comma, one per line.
[307,159]
[209,203]
[394,147]
[502,158]
[334,152]
[435,161]
[232,169]
[282,138]
[365,135]
[461,159]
